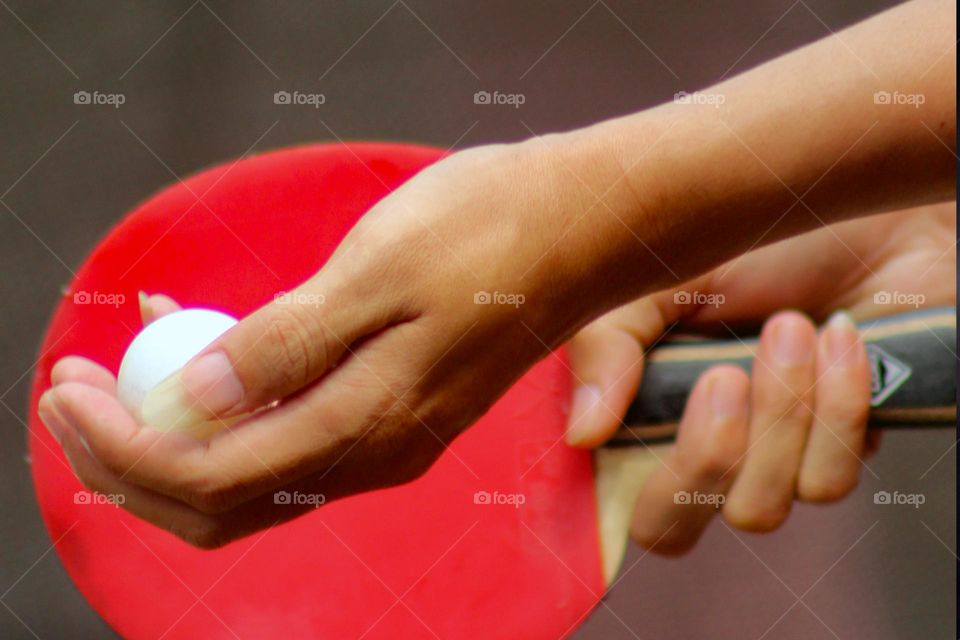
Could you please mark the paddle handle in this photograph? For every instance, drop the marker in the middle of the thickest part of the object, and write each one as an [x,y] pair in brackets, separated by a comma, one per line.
[913,362]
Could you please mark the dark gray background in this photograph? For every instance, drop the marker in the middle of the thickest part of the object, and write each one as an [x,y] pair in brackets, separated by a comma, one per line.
[199,81]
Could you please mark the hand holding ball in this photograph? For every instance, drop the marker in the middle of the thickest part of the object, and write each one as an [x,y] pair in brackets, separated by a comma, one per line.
[159,351]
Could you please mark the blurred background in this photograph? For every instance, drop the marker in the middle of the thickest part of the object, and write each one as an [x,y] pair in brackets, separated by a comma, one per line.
[197,82]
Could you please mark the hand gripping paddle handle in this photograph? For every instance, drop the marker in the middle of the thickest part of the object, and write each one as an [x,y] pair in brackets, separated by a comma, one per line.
[913,364]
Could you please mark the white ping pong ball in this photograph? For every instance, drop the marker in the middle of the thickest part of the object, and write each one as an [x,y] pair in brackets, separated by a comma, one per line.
[164,347]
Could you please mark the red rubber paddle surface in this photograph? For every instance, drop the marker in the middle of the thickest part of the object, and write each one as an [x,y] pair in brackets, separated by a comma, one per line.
[424,560]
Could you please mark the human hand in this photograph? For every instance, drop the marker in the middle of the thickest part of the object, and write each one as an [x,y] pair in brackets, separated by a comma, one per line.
[407,355]
[794,430]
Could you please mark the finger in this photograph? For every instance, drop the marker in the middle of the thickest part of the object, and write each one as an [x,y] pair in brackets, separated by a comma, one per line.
[112,435]
[166,513]
[153,306]
[607,363]
[195,527]
[355,429]
[782,382]
[47,412]
[681,497]
[131,460]
[835,448]
[272,353]
[83,370]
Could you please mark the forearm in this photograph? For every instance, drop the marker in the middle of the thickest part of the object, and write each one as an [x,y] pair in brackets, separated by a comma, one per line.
[793,144]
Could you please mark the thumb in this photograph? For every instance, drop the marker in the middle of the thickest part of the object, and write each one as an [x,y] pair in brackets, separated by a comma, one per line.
[270,354]
[607,363]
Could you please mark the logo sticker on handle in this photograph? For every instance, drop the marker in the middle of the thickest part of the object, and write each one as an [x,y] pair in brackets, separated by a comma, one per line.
[887,374]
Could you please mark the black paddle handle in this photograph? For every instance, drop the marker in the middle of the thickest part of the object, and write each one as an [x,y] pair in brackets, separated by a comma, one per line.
[913,361]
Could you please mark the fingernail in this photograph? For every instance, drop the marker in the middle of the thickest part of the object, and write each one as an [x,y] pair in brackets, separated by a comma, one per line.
[204,388]
[791,341]
[728,397]
[85,444]
[842,338]
[586,399]
[50,418]
[144,301]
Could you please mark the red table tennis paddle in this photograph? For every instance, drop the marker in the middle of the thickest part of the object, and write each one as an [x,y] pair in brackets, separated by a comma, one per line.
[510,535]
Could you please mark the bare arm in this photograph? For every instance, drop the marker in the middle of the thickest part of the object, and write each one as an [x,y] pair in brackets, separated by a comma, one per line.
[573,224]
[858,123]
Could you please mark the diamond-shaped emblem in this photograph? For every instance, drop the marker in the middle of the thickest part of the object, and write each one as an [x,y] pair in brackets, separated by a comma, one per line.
[887,374]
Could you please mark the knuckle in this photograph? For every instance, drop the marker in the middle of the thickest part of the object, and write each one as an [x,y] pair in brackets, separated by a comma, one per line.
[778,393]
[662,543]
[209,494]
[417,457]
[756,517]
[398,449]
[419,463]
[786,417]
[415,447]
[816,488]
[844,414]
[212,501]
[206,534]
[447,414]
[643,534]
[716,460]
[298,346]
[714,466]
[796,412]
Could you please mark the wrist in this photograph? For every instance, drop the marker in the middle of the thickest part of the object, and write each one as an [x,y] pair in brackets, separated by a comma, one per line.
[592,237]
[630,174]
